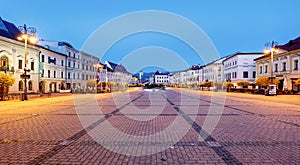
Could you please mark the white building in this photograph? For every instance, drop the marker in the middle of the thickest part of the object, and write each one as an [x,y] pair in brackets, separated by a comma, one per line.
[213,71]
[192,75]
[240,67]
[118,75]
[88,68]
[80,66]
[52,71]
[12,59]
[160,78]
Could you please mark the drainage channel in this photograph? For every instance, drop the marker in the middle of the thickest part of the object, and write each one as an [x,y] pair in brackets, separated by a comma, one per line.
[210,141]
[61,145]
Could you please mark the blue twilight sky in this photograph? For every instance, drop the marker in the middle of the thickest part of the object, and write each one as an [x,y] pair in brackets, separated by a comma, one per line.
[232,25]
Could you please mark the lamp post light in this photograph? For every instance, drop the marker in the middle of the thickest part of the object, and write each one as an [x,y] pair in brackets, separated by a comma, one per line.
[28,33]
[271,51]
[98,77]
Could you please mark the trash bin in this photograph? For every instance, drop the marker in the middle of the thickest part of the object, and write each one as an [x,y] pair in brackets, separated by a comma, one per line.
[21,96]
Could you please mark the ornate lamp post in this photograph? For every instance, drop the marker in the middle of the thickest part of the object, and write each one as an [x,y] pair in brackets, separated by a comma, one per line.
[28,33]
[272,51]
[98,66]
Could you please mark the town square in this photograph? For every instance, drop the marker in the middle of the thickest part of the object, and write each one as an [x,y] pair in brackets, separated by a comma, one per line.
[150,83]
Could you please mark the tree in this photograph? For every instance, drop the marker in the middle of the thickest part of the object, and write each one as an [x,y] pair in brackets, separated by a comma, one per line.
[243,83]
[228,84]
[264,81]
[5,82]
[91,83]
[298,81]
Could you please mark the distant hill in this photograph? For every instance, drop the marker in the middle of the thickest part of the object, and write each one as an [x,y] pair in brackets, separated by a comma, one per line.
[145,75]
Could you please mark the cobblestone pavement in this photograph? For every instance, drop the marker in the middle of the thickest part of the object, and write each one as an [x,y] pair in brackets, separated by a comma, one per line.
[174,126]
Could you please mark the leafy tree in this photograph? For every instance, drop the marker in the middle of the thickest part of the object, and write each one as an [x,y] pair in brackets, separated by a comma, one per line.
[208,84]
[5,82]
[264,81]
[228,84]
[243,83]
[298,81]
[91,83]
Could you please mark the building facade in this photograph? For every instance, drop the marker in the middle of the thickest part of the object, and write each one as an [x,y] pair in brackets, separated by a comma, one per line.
[285,65]
[240,67]
[52,71]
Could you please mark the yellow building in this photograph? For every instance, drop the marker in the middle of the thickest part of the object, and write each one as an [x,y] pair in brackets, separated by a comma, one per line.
[285,65]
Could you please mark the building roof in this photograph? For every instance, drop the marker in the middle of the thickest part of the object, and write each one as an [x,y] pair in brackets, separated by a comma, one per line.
[8,30]
[116,67]
[291,45]
[242,53]
[160,73]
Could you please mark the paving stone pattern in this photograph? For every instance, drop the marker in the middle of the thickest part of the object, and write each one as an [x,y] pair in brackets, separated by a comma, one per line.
[194,128]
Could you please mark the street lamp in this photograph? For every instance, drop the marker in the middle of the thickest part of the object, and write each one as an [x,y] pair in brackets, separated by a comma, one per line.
[28,33]
[97,76]
[272,51]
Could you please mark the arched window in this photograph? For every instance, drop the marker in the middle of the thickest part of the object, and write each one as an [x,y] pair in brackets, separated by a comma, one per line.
[4,63]
[20,85]
[30,85]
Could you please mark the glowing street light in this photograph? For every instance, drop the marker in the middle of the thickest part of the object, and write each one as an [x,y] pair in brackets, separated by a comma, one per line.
[271,50]
[28,33]
[98,66]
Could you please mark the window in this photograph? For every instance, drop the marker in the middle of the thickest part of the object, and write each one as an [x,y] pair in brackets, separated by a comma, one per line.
[32,66]
[30,85]
[296,65]
[54,74]
[245,74]
[87,68]
[276,68]
[62,62]
[43,58]
[260,69]
[69,76]
[69,64]
[87,77]
[254,74]
[48,73]
[82,76]
[73,75]
[20,85]
[284,66]
[20,64]
[69,54]
[43,71]
[62,74]
[4,63]
[266,68]
[74,65]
